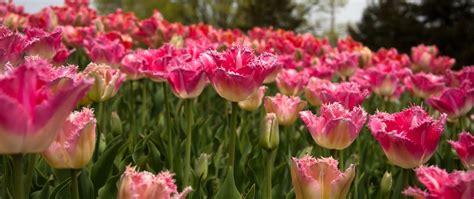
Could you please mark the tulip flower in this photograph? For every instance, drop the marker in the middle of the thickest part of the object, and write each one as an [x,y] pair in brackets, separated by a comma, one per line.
[46,45]
[291,82]
[187,79]
[320,178]
[286,108]
[408,138]
[441,184]
[422,55]
[132,63]
[145,185]
[465,149]
[107,81]
[455,102]
[12,45]
[105,50]
[35,101]
[74,144]
[441,64]
[157,66]
[345,63]
[270,136]
[349,94]
[254,101]
[424,85]
[337,127]
[237,73]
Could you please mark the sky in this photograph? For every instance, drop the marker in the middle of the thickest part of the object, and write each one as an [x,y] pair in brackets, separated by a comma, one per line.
[351,13]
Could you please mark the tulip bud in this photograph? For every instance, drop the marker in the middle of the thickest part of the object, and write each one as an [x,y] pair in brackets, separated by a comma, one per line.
[269,137]
[107,81]
[116,123]
[74,145]
[200,166]
[254,101]
[386,184]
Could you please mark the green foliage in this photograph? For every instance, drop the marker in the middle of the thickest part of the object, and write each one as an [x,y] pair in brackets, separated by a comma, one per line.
[403,24]
[243,14]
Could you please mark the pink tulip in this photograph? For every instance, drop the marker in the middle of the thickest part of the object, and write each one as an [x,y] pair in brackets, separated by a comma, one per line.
[145,185]
[46,45]
[441,184]
[107,81]
[105,50]
[45,19]
[320,178]
[187,79]
[424,85]
[74,144]
[286,108]
[455,102]
[465,149]
[254,101]
[422,55]
[384,80]
[77,3]
[349,94]
[441,64]
[291,82]
[337,127]
[35,101]
[237,73]
[132,63]
[12,45]
[157,67]
[345,63]
[408,138]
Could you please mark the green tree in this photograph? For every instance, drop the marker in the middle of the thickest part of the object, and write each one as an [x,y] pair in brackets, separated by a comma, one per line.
[403,24]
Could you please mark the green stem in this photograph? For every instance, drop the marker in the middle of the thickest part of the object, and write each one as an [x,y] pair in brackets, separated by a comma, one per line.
[99,133]
[168,129]
[341,159]
[19,192]
[133,126]
[406,175]
[232,133]
[189,130]
[462,126]
[74,184]
[267,179]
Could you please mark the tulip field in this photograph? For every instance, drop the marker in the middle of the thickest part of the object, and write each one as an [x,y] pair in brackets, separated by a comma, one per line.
[113,106]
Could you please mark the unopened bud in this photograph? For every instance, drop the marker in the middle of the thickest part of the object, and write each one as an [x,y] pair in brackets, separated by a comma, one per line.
[386,183]
[116,123]
[200,166]
[269,137]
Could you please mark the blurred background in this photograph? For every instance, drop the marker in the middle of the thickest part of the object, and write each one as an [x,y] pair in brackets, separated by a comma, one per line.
[449,24]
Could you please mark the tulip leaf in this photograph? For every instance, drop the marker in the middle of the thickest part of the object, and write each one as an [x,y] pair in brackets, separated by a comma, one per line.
[86,188]
[251,193]
[59,188]
[43,193]
[228,189]
[102,168]
[110,188]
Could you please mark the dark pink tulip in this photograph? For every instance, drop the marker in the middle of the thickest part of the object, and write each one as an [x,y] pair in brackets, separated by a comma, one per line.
[384,80]
[132,63]
[77,3]
[157,68]
[46,45]
[35,101]
[455,102]
[337,127]
[105,50]
[291,82]
[390,56]
[237,73]
[145,185]
[345,63]
[12,45]
[424,85]
[422,55]
[441,184]
[349,94]
[187,79]
[408,138]
[45,19]
[286,108]
[441,64]
[465,149]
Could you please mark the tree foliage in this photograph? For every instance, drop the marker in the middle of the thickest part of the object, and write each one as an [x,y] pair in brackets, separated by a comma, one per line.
[403,24]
